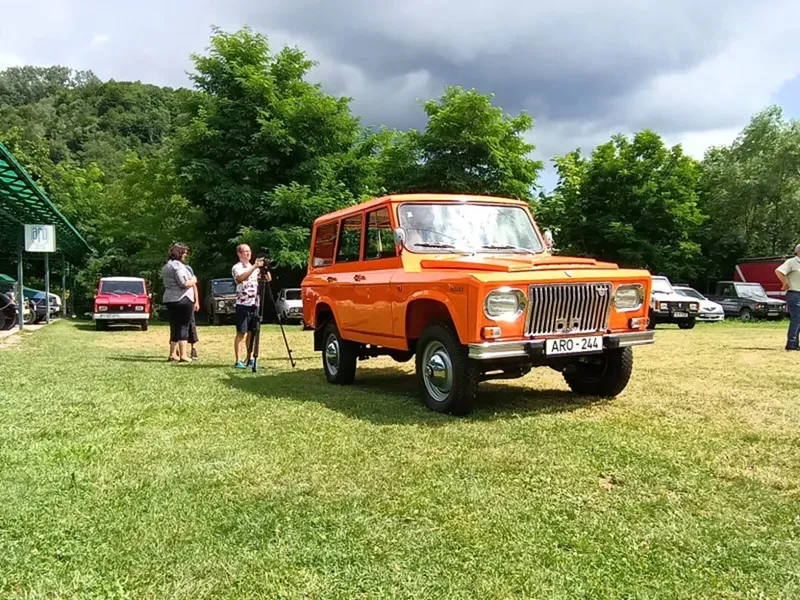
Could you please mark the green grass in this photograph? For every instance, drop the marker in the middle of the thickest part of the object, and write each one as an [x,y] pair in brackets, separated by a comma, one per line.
[124,476]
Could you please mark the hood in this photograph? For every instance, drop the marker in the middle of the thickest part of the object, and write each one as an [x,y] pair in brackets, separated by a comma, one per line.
[513,264]
[662,297]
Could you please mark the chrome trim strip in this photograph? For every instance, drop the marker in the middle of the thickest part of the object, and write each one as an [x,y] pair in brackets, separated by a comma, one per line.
[495,350]
[636,338]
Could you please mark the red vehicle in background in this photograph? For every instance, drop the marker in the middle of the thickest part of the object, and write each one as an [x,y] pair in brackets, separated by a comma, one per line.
[761,270]
[121,300]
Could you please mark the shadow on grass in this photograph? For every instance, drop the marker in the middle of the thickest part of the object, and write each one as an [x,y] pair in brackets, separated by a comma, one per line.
[390,397]
[90,326]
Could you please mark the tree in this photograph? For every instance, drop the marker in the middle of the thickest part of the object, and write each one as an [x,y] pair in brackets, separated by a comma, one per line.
[633,202]
[751,192]
[262,134]
[469,146]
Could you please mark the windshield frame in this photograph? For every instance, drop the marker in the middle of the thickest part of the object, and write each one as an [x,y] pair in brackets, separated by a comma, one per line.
[216,282]
[743,287]
[664,281]
[459,250]
[109,284]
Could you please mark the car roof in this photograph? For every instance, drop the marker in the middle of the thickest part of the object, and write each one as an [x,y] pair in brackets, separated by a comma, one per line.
[121,279]
[396,198]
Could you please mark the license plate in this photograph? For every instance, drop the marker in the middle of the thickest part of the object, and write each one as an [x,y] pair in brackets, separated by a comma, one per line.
[680,315]
[773,313]
[574,345]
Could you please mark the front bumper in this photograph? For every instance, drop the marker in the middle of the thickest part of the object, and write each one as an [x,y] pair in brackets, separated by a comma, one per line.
[711,317]
[498,350]
[132,316]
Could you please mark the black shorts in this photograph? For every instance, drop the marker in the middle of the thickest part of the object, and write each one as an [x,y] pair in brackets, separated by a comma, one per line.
[245,317]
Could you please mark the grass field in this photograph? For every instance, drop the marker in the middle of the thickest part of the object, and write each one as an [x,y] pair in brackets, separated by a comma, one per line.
[124,476]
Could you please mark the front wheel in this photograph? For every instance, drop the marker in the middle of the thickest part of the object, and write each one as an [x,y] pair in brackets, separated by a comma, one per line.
[448,379]
[687,324]
[339,357]
[605,375]
[145,325]
[746,314]
[100,325]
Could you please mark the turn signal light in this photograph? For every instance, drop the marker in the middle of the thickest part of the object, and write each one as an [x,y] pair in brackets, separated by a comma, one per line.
[491,333]
[638,323]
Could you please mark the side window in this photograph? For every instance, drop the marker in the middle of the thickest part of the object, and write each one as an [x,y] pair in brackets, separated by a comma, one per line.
[380,239]
[350,240]
[325,244]
[727,292]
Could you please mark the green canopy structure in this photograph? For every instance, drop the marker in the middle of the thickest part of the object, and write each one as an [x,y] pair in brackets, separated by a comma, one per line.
[22,202]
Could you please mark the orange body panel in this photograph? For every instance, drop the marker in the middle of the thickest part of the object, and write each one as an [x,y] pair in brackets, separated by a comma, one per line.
[380,302]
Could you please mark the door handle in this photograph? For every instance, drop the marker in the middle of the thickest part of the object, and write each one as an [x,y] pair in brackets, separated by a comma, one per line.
[331,279]
[359,278]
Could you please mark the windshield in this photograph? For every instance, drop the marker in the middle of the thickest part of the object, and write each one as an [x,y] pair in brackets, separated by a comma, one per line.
[662,286]
[690,292]
[468,228]
[751,290]
[224,286]
[293,294]
[122,287]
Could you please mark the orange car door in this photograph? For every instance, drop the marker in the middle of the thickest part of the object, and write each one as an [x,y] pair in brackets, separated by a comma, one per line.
[372,279]
[341,276]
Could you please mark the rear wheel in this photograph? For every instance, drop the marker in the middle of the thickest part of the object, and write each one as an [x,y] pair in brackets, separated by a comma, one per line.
[605,375]
[448,379]
[339,357]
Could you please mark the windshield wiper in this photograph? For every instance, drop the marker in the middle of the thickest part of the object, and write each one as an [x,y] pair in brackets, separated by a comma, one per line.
[507,247]
[434,245]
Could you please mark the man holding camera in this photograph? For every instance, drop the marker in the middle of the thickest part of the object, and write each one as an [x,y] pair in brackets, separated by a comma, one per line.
[246,277]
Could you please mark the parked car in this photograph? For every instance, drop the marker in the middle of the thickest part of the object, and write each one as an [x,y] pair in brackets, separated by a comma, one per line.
[466,285]
[39,304]
[709,311]
[667,306]
[220,300]
[748,301]
[289,304]
[121,300]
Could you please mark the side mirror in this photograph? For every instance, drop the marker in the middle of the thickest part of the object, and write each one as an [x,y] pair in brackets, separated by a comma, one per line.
[400,237]
[548,238]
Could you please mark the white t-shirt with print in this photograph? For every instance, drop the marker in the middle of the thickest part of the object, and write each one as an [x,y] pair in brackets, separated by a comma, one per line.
[247,290]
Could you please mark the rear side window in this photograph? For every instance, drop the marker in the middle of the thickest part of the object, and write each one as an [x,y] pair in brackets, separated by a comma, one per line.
[380,239]
[325,244]
[350,240]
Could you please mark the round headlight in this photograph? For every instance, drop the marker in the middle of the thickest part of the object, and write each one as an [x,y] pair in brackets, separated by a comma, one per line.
[628,297]
[504,304]
[221,304]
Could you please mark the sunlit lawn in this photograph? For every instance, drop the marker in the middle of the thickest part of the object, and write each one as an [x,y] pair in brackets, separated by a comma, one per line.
[124,476]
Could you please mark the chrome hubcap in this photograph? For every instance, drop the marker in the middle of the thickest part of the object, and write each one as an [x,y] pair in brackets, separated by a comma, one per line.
[437,371]
[332,355]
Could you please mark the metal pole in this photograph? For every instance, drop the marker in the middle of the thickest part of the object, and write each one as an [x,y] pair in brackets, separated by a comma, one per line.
[47,286]
[20,296]
[63,286]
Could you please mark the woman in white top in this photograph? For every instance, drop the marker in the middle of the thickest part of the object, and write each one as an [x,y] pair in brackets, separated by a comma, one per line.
[179,300]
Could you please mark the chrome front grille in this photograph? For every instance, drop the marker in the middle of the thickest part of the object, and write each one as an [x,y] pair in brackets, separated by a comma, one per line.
[568,308]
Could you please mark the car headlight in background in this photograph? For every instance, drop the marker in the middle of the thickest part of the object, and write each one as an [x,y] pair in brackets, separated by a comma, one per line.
[629,297]
[102,308]
[694,307]
[504,304]
[139,308]
[221,304]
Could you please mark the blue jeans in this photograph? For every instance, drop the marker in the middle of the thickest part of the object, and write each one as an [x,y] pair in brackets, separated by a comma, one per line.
[793,304]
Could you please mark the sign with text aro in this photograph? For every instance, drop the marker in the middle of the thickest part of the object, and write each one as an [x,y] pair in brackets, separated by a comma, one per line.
[40,238]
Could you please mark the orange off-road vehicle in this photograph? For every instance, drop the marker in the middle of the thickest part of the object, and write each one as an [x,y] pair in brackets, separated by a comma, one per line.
[468,286]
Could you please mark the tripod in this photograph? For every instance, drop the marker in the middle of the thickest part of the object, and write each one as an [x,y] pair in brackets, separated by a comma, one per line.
[264,289]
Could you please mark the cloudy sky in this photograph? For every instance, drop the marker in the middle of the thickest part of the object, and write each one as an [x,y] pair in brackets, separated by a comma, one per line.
[583,69]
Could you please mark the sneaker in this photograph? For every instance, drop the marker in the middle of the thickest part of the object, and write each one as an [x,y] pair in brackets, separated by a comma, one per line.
[251,362]
[788,349]
[240,365]
[194,353]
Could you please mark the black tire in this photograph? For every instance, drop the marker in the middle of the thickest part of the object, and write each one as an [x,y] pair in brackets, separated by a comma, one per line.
[100,325]
[339,357]
[145,325]
[651,322]
[457,393]
[4,321]
[746,314]
[605,379]
[687,324]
